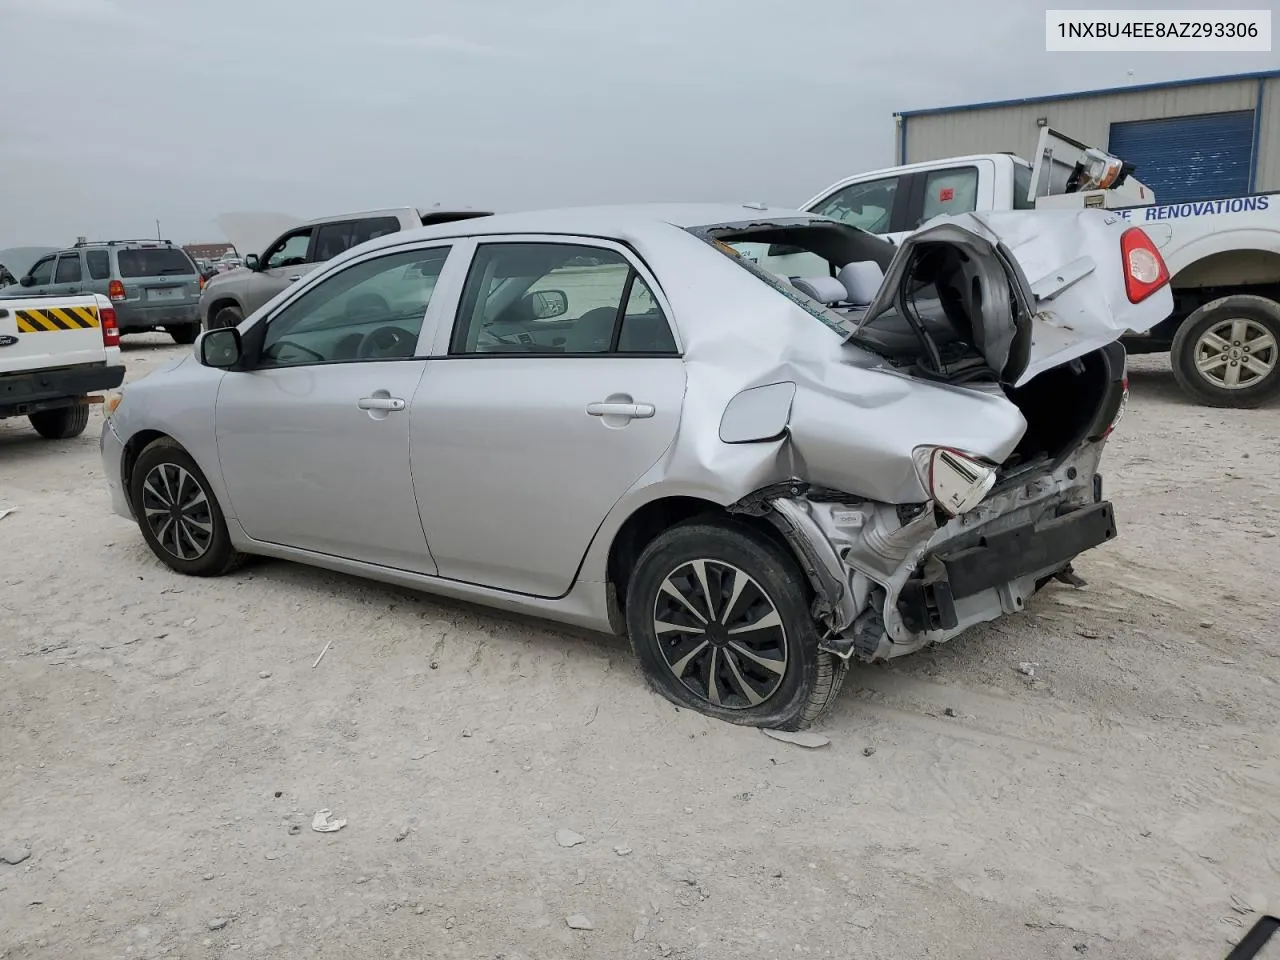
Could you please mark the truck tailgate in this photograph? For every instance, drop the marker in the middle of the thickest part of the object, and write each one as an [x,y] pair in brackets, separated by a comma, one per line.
[40,332]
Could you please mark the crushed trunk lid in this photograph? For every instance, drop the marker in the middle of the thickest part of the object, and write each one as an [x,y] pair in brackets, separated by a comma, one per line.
[1040,288]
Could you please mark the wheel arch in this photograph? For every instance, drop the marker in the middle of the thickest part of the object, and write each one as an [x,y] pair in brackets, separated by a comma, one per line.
[650,520]
[221,302]
[1208,262]
[132,449]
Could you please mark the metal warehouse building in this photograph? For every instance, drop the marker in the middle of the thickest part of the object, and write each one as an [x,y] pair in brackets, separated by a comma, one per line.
[1189,139]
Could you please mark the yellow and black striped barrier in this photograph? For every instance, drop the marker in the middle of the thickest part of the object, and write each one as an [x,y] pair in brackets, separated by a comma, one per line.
[52,319]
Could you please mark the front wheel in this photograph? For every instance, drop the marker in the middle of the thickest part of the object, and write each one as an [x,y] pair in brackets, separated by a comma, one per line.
[719,617]
[1227,353]
[61,424]
[184,333]
[177,513]
[227,317]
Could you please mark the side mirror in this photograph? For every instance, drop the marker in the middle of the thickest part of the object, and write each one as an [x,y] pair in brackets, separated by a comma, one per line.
[548,304]
[251,261]
[28,281]
[220,348]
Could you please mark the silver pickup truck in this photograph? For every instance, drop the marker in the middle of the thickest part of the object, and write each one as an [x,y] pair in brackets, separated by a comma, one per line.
[230,297]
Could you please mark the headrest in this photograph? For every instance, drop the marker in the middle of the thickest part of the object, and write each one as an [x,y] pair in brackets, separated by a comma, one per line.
[861,280]
[826,290]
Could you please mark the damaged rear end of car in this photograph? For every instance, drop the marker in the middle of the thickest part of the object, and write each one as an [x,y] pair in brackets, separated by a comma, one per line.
[946,456]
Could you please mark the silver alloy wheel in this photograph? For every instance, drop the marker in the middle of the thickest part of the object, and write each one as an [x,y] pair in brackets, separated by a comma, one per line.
[720,634]
[1235,354]
[177,511]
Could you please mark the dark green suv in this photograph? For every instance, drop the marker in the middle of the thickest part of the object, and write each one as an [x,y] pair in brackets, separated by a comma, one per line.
[153,284]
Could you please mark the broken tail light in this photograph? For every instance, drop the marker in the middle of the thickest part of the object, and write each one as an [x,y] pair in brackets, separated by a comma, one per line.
[1145,271]
[1124,402]
[110,329]
[956,481]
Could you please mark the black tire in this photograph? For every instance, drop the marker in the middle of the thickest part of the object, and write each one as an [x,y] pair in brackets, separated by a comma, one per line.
[206,557]
[61,424]
[1191,349]
[184,333]
[227,317]
[810,678]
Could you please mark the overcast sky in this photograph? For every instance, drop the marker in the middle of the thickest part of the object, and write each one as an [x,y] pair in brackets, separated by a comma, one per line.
[119,112]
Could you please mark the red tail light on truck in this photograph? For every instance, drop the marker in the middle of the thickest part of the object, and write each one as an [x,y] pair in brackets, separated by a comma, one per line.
[1144,269]
[110,329]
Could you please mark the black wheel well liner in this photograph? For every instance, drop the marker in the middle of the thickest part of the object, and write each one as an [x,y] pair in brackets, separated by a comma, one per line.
[655,518]
[222,304]
[132,450]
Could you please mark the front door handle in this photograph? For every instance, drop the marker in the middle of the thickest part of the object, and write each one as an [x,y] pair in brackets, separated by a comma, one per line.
[295,279]
[380,403]
[632,411]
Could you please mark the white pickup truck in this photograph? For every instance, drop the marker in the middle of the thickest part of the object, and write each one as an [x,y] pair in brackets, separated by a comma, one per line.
[56,353]
[1223,255]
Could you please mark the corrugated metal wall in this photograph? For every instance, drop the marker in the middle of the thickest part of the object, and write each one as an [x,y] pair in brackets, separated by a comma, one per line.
[1013,128]
[1269,141]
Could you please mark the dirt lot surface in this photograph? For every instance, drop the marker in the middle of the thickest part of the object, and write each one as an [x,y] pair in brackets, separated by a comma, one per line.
[167,741]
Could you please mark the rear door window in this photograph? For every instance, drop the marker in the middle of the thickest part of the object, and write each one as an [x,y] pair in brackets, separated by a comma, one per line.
[99,264]
[950,191]
[335,238]
[68,269]
[154,262]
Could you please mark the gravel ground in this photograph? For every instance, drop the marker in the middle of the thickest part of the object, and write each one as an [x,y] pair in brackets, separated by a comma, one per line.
[167,741]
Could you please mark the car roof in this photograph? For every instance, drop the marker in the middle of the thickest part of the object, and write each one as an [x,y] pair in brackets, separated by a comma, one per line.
[618,222]
[125,244]
[431,211]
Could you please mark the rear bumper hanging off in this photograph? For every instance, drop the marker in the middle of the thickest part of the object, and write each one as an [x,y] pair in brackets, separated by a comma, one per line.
[928,602]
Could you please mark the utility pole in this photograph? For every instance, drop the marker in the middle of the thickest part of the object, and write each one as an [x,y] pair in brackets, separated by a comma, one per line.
[157,229]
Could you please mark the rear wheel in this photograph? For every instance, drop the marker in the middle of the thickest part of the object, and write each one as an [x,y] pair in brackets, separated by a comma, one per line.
[719,618]
[184,333]
[228,317]
[61,424]
[177,513]
[1227,353]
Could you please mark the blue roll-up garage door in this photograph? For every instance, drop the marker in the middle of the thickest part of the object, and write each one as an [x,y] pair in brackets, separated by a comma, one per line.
[1189,158]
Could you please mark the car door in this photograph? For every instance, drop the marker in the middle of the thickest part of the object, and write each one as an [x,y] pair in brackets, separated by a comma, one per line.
[68,275]
[285,262]
[313,438]
[558,387]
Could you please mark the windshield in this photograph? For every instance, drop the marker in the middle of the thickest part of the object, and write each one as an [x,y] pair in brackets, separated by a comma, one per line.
[798,258]
[157,262]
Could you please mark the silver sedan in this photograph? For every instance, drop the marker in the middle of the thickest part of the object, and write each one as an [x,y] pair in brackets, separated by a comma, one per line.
[613,417]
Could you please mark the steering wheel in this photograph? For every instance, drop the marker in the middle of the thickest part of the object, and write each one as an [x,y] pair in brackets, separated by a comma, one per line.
[387,343]
[487,338]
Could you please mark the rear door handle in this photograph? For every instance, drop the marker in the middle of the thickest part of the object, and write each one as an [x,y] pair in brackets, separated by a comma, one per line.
[380,403]
[632,411]
[295,279]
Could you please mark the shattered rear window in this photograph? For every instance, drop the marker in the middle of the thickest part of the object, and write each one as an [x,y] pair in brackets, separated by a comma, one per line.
[744,242]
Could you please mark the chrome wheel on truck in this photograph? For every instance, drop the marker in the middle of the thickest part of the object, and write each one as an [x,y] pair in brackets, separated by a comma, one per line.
[1227,353]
